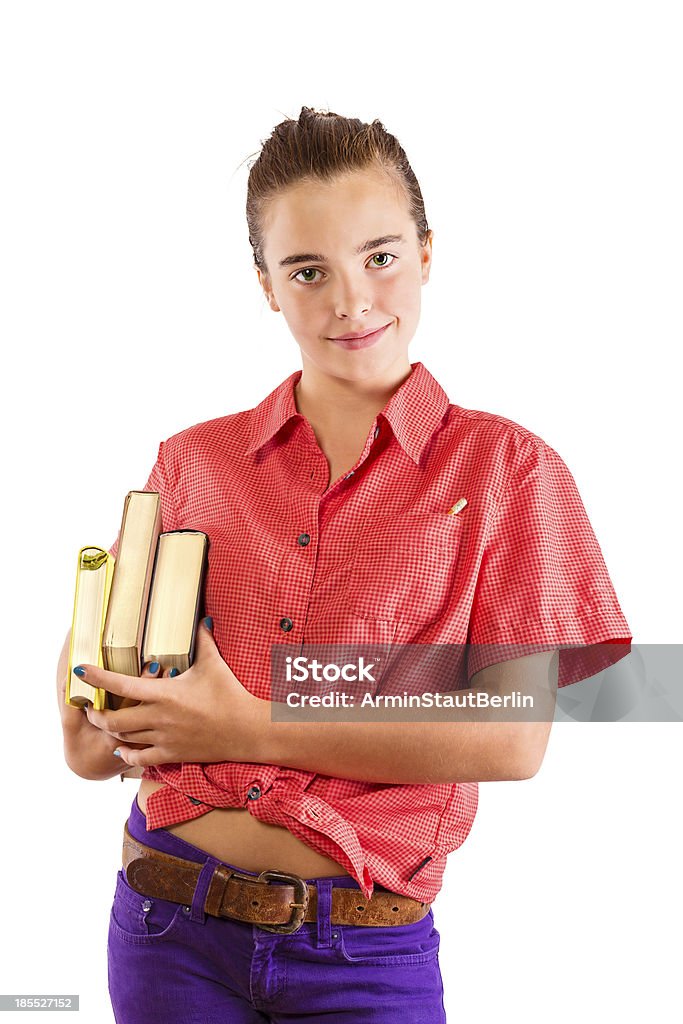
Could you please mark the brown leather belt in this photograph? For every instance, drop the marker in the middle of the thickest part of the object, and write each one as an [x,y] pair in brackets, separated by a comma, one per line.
[274,908]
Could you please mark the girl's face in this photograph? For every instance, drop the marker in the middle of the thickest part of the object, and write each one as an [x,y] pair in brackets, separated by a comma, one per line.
[344,258]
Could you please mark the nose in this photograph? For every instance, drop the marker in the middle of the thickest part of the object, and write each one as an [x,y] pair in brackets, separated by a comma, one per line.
[351,299]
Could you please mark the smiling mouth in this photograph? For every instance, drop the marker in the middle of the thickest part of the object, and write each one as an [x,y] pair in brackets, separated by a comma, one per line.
[361,341]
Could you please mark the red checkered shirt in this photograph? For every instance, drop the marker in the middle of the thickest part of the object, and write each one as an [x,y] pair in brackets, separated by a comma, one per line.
[375,559]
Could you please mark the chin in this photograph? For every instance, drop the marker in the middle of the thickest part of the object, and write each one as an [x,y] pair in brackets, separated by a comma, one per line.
[374,365]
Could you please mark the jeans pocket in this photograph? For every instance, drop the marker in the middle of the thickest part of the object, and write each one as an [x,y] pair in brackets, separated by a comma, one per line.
[140,919]
[393,946]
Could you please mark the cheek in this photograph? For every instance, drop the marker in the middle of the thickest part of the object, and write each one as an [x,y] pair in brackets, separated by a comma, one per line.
[302,302]
[299,312]
[400,296]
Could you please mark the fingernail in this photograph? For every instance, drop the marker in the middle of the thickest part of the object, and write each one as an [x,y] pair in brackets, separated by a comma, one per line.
[117,752]
[174,672]
[79,671]
[208,622]
[154,667]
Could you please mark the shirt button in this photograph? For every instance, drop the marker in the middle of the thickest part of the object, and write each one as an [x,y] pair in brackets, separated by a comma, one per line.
[303,539]
[254,792]
[193,801]
[376,432]
[286,625]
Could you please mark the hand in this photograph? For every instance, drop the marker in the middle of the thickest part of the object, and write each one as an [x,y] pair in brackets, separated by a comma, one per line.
[87,749]
[203,714]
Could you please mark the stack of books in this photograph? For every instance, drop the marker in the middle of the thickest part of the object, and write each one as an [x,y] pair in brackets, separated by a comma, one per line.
[143,606]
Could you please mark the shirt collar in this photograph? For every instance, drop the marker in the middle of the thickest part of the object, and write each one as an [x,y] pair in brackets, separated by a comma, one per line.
[413,411]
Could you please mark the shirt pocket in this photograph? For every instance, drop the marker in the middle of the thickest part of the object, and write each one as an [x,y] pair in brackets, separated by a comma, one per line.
[403,567]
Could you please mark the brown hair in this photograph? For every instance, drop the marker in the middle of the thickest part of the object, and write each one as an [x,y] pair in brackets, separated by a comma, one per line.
[322,146]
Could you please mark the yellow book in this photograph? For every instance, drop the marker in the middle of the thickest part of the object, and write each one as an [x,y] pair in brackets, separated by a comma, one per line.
[93,584]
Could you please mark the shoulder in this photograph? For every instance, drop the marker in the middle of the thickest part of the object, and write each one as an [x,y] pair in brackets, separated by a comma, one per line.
[504,458]
[493,437]
[223,435]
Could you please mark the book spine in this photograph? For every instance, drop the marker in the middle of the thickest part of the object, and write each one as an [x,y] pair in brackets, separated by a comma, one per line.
[90,559]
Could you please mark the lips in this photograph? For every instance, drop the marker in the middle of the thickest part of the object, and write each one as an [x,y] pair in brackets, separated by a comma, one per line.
[363,342]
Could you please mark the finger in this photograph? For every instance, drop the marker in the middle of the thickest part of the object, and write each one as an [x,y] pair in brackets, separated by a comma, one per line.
[205,642]
[149,669]
[152,670]
[121,722]
[134,687]
[140,758]
[132,739]
[130,719]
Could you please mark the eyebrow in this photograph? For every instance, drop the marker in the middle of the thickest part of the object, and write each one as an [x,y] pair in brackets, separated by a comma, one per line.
[316,257]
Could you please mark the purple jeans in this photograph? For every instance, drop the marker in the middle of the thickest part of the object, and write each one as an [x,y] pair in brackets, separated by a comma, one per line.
[182,966]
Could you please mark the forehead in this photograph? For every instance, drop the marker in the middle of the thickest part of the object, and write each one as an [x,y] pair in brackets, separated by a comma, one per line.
[366,203]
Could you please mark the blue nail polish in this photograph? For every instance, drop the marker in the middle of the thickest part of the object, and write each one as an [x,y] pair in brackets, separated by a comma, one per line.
[79,671]
[117,752]
[208,622]
[174,672]
[154,667]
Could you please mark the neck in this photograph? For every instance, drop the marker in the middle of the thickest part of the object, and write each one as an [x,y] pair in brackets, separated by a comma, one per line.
[335,406]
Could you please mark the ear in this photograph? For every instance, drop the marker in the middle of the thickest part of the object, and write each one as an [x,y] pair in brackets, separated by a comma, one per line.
[267,287]
[426,256]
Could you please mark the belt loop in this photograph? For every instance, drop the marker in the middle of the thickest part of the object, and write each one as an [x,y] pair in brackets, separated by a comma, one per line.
[201,889]
[324,890]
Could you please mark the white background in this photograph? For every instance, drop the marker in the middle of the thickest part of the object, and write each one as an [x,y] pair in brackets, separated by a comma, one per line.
[546,139]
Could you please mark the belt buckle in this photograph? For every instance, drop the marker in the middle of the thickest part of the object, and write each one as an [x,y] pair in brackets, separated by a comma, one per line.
[298,907]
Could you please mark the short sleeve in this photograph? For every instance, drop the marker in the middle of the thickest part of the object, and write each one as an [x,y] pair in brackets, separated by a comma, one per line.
[157,481]
[543,583]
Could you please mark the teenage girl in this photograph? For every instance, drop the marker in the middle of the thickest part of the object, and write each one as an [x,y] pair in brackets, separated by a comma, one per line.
[354,505]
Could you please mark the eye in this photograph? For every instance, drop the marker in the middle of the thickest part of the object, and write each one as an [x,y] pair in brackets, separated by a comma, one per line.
[306,270]
[378,254]
[314,270]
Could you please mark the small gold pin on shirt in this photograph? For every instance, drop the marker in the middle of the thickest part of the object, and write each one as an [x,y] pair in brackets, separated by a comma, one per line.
[458,507]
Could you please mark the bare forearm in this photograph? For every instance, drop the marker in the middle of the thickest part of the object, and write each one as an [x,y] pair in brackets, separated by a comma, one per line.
[477,747]
[400,752]
[93,757]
